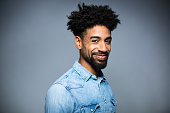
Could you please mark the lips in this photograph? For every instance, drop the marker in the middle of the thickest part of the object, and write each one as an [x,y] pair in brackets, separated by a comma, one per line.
[101,57]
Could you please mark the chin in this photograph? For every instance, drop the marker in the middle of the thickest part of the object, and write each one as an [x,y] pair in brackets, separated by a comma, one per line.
[100,65]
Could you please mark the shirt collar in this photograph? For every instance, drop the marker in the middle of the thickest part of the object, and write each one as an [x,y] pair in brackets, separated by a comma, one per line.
[84,73]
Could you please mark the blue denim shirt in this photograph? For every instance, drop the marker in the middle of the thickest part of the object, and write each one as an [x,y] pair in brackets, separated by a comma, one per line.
[79,91]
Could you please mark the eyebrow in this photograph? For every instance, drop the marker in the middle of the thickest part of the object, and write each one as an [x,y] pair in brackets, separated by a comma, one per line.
[99,37]
[94,37]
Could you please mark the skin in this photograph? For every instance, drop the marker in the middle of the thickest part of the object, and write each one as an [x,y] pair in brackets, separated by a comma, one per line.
[96,40]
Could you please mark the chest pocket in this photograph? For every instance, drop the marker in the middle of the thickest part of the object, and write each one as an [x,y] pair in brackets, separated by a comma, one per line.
[94,108]
[103,107]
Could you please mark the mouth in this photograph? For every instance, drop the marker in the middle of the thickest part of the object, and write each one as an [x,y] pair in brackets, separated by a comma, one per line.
[101,57]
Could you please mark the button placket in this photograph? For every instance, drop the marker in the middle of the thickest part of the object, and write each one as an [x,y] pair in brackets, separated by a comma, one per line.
[102,92]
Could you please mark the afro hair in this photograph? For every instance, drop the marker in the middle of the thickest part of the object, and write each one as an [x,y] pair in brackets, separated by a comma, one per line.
[89,16]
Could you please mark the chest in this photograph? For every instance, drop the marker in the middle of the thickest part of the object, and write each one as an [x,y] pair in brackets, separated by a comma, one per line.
[94,97]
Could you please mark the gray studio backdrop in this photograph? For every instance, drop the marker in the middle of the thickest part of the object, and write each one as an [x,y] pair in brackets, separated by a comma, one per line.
[36,48]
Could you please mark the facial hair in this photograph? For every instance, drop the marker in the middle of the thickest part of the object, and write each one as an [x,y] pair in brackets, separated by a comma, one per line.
[90,59]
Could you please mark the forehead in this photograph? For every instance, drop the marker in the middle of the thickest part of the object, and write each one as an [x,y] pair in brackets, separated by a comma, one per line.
[98,30]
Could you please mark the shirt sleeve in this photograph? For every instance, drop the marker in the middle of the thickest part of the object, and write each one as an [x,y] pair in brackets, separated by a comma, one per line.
[58,100]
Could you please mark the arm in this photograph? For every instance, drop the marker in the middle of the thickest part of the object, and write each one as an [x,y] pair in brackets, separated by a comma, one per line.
[58,100]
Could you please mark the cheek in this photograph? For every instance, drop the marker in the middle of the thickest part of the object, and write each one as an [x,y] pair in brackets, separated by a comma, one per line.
[93,48]
[86,51]
[109,48]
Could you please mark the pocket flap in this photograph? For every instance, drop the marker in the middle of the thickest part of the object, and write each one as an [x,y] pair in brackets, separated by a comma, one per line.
[114,102]
[89,108]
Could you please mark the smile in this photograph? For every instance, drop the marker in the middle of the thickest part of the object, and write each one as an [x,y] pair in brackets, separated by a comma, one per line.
[101,57]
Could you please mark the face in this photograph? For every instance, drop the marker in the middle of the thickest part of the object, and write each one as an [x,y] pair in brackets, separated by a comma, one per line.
[96,46]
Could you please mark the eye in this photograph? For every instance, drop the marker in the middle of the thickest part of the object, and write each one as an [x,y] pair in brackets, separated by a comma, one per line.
[108,41]
[94,40]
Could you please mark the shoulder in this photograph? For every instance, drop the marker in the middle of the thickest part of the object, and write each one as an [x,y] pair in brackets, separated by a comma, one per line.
[63,85]
[70,80]
[56,89]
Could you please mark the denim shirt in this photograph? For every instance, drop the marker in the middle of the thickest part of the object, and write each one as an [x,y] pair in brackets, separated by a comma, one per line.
[79,91]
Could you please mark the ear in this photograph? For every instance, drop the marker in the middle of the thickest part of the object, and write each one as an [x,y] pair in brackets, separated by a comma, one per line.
[78,42]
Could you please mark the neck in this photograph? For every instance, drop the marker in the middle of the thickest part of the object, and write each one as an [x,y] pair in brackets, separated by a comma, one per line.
[91,69]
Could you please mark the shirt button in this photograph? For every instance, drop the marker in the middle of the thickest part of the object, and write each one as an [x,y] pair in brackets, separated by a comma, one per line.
[105,100]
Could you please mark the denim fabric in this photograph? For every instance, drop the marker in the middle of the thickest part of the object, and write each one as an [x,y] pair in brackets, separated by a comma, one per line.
[79,91]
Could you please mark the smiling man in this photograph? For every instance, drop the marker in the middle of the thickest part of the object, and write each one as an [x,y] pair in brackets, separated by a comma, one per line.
[83,88]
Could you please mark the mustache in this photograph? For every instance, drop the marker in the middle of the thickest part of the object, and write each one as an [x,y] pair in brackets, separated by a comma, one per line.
[100,53]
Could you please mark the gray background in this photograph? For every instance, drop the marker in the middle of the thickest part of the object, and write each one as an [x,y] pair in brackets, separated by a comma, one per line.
[36,48]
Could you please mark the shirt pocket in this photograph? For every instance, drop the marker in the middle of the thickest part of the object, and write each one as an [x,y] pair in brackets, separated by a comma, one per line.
[93,108]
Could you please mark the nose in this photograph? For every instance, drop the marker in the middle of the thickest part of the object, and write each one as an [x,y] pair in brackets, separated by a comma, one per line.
[102,47]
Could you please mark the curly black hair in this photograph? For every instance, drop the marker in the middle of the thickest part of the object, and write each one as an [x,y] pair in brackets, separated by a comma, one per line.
[89,16]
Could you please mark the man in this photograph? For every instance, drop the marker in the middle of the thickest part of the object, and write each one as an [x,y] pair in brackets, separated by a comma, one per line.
[83,88]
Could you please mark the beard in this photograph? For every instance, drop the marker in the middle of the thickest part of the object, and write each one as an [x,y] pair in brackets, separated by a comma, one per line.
[95,63]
